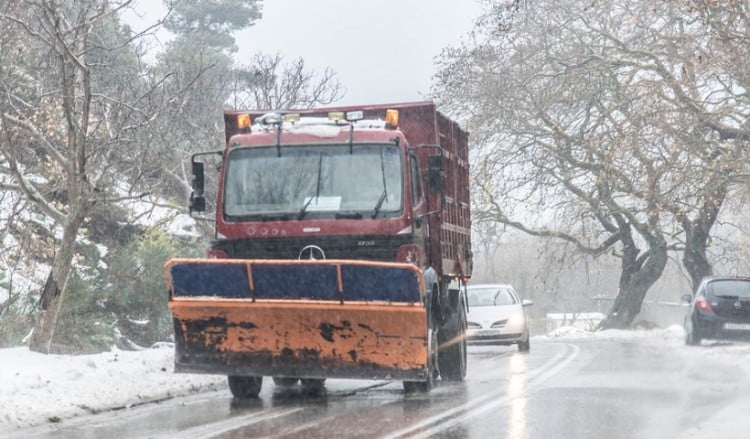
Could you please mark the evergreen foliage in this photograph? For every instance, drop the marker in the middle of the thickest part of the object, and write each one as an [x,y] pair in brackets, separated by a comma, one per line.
[84,325]
[16,319]
[122,303]
[212,22]
[135,289]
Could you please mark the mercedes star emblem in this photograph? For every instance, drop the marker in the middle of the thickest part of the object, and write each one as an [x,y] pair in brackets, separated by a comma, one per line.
[312,252]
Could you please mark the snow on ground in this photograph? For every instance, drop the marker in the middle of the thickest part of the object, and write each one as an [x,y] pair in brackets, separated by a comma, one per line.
[672,334]
[37,388]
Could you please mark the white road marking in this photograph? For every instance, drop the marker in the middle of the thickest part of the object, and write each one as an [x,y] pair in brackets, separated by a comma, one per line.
[455,416]
[220,427]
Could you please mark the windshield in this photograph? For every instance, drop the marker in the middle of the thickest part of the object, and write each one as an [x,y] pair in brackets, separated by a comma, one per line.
[491,297]
[321,180]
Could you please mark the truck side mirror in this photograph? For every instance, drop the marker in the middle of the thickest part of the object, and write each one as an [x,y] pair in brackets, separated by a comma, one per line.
[436,174]
[197,200]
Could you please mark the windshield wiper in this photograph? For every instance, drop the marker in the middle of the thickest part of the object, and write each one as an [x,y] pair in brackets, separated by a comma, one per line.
[382,198]
[303,211]
[384,195]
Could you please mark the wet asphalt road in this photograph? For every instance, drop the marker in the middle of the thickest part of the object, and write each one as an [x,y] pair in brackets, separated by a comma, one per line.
[588,388]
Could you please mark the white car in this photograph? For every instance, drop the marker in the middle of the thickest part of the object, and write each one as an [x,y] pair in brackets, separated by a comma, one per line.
[497,316]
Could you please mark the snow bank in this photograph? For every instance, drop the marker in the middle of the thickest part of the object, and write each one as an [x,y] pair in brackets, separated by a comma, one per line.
[37,388]
[673,333]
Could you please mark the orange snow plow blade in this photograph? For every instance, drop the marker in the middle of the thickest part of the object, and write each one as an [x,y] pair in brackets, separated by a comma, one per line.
[306,319]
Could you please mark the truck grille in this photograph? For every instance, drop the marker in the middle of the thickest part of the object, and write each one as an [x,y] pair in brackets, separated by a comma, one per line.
[370,248]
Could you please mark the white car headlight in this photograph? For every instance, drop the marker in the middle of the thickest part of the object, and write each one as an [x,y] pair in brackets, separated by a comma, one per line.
[515,320]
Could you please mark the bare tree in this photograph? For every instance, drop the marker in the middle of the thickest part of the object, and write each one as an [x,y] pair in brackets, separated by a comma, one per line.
[600,124]
[73,102]
[709,87]
[271,83]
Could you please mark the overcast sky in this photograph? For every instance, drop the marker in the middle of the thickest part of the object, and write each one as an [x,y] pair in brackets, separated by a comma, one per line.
[382,51]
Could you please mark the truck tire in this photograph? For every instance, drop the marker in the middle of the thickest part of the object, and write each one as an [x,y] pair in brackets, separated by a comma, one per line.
[313,386]
[284,381]
[245,386]
[432,371]
[452,356]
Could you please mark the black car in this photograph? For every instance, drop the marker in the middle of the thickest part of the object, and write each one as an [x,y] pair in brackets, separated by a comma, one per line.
[719,309]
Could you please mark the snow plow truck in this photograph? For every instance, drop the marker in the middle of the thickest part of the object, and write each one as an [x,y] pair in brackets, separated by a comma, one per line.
[342,250]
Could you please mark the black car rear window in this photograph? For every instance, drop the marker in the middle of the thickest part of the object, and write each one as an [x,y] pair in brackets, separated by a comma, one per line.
[732,288]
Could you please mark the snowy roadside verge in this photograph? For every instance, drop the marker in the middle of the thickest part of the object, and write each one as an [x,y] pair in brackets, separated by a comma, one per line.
[37,388]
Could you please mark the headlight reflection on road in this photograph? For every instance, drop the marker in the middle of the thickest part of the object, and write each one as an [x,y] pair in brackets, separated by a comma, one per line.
[517,395]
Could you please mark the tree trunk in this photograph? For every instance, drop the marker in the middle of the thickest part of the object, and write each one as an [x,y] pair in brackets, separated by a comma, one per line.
[697,235]
[49,306]
[694,257]
[51,299]
[638,275]
[628,303]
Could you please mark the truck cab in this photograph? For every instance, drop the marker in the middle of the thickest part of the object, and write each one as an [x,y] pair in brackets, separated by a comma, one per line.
[321,189]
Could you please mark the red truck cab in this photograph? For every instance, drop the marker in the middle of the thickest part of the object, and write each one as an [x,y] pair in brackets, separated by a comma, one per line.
[367,189]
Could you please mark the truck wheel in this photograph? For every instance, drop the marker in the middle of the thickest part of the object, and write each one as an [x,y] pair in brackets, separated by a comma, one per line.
[285,382]
[312,386]
[245,386]
[417,386]
[432,371]
[452,356]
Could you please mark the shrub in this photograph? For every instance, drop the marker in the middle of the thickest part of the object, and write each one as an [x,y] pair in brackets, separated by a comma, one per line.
[136,292]
[16,320]
[84,325]
[123,303]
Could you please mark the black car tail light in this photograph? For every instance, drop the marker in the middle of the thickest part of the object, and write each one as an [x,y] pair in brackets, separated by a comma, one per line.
[702,304]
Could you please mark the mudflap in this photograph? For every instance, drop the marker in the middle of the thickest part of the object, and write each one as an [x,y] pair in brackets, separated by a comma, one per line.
[302,319]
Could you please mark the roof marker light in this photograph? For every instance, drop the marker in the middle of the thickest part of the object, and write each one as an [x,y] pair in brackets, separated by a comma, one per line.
[243,122]
[336,116]
[391,119]
[291,117]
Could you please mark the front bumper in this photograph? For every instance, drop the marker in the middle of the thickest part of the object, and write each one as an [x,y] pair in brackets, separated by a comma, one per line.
[498,336]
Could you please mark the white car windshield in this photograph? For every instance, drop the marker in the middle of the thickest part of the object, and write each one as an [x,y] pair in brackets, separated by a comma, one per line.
[491,297]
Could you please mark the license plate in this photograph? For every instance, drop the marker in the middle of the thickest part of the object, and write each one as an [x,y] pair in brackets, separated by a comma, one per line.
[737,326]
